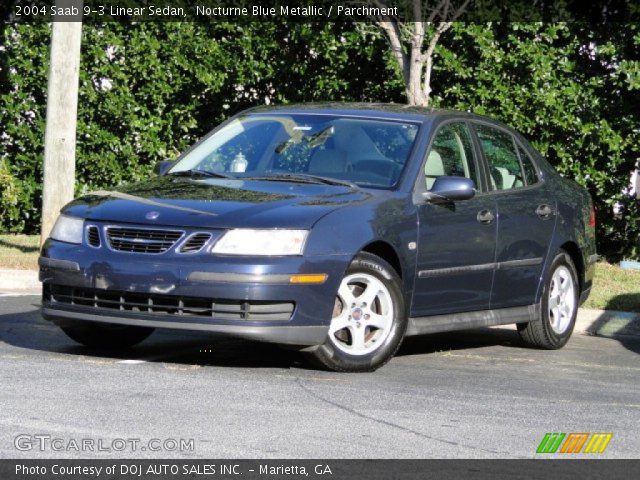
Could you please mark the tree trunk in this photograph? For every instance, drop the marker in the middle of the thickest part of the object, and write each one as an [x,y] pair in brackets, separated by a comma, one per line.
[60,133]
[414,62]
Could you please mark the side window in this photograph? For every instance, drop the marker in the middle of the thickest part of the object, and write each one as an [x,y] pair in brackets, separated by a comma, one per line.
[451,154]
[530,175]
[500,151]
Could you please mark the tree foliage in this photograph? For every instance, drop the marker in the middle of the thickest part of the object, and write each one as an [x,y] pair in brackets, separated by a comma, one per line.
[413,41]
[570,88]
[148,90]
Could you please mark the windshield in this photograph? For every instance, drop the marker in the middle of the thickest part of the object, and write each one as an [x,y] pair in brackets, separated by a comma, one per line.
[295,147]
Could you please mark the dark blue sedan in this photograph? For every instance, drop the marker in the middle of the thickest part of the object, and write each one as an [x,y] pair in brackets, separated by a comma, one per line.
[334,229]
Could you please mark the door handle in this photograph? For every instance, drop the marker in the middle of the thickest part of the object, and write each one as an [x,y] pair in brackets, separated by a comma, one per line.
[544,211]
[485,217]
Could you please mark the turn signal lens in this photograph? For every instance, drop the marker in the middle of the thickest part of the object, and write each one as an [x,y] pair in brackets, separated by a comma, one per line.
[308,278]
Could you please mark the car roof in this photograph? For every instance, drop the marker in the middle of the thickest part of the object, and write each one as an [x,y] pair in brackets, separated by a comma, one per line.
[391,111]
[395,111]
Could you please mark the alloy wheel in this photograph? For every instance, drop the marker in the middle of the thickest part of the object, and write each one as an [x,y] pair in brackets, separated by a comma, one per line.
[562,299]
[362,316]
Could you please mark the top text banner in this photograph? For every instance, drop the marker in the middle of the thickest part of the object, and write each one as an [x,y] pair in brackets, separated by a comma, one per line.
[596,12]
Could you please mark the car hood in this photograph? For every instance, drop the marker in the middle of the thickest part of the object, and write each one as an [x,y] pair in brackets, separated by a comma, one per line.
[216,203]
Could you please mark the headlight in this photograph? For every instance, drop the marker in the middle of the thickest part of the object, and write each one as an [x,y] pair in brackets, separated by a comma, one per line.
[261,242]
[68,229]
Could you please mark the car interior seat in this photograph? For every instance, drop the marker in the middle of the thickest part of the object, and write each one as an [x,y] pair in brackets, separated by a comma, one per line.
[434,168]
[508,180]
[356,144]
[328,161]
[383,168]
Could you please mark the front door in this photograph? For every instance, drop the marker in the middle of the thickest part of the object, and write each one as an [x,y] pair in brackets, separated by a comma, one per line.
[457,240]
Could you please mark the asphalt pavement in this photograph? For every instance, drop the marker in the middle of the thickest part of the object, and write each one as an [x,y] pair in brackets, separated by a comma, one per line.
[472,394]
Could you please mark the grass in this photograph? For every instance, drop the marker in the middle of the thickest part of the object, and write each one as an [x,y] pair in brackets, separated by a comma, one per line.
[19,251]
[614,288]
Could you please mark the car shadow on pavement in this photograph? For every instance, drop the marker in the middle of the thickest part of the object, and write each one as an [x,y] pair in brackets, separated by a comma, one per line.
[631,343]
[26,329]
[23,327]
[460,340]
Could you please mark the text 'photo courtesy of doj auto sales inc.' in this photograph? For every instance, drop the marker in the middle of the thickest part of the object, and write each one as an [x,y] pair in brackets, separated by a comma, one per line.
[150,469]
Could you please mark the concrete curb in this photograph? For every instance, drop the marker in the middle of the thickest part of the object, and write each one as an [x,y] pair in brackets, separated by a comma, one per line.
[601,323]
[18,280]
[608,323]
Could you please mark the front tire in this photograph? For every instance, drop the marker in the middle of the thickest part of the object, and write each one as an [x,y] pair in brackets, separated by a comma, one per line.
[559,307]
[106,336]
[369,318]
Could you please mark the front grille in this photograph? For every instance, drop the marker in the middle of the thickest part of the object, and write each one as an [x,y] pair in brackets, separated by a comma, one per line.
[219,309]
[142,240]
[93,236]
[195,243]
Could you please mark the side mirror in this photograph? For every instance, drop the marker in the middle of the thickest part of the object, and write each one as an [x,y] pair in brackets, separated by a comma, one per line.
[163,167]
[451,189]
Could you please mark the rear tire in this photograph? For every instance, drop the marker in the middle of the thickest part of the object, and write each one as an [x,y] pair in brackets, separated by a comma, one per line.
[559,307]
[106,336]
[369,318]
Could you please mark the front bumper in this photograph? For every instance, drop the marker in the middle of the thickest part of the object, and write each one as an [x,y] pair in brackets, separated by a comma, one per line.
[231,289]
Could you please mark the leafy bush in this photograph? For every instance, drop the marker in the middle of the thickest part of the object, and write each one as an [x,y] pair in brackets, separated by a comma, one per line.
[573,90]
[10,194]
[148,90]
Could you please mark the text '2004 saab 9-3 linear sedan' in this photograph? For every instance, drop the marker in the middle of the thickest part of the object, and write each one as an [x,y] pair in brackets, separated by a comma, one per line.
[337,230]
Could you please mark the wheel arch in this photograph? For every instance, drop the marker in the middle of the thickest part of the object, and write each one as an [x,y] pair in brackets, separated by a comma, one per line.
[387,252]
[573,250]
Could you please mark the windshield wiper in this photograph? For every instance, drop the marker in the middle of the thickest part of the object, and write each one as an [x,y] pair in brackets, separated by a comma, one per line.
[303,178]
[328,180]
[200,173]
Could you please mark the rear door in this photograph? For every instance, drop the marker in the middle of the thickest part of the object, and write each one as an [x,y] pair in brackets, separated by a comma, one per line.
[456,241]
[526,211]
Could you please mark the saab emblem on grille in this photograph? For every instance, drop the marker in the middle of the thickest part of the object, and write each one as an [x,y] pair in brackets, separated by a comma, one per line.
[152,215]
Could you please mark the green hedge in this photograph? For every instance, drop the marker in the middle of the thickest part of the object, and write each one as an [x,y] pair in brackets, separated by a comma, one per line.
[574,90]
[148,90]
